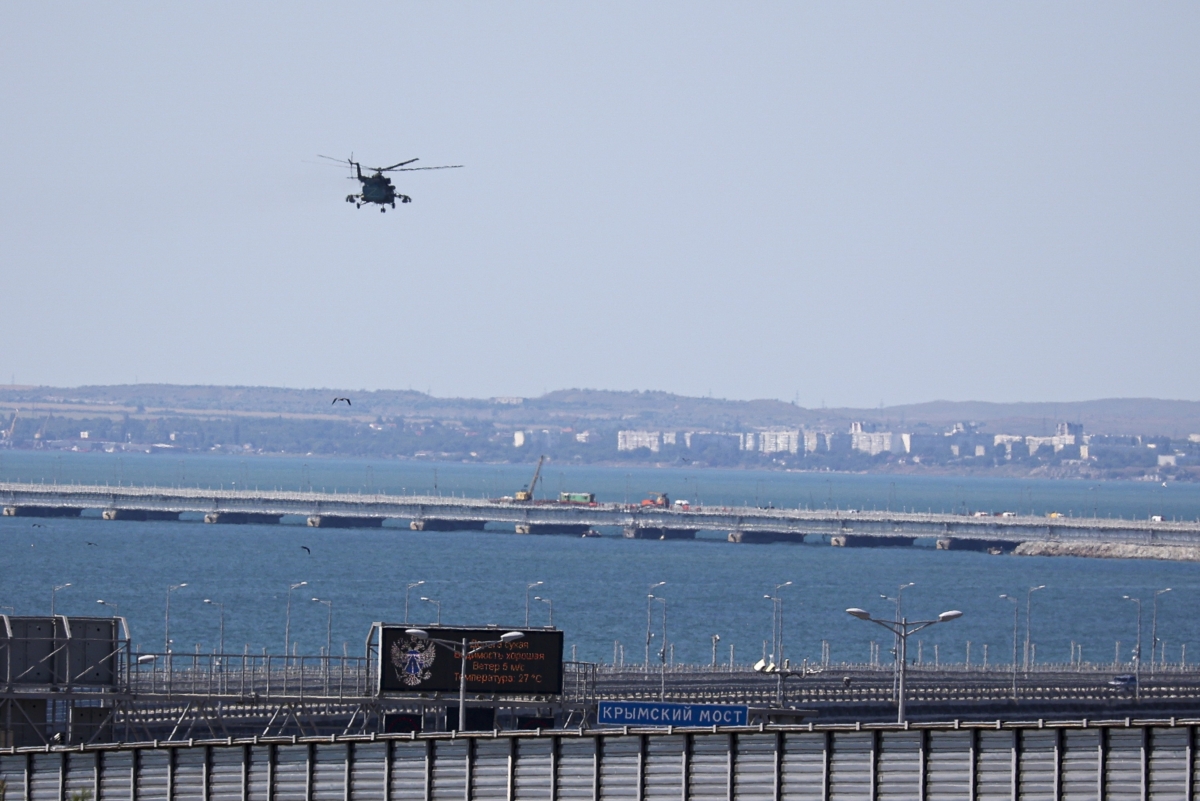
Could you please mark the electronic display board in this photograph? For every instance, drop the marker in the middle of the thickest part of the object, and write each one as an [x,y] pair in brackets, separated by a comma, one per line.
[531,665]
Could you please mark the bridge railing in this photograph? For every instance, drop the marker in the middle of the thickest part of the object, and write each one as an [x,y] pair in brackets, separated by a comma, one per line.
[251,675]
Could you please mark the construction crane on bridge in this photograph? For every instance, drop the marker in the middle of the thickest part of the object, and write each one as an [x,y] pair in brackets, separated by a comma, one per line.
[9,434]
[527,495]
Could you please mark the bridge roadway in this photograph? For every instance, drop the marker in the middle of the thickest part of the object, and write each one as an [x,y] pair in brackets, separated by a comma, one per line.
[857,527]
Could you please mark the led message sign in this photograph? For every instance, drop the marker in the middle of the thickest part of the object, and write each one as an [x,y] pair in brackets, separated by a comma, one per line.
[531,665]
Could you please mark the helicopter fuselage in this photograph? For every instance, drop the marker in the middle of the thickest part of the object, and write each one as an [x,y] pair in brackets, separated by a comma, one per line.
[377,188]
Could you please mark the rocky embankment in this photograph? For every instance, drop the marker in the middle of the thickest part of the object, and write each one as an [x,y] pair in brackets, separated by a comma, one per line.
[1110,550]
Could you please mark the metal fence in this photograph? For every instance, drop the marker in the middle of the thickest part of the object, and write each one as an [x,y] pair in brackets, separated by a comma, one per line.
[1115,761]
[251,674]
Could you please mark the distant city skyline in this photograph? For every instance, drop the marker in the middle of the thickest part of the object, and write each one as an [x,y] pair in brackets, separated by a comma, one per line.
[834,204]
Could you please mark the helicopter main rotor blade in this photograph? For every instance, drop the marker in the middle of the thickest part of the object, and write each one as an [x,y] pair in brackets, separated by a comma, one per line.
[331,158]
[413,169]
[394,166]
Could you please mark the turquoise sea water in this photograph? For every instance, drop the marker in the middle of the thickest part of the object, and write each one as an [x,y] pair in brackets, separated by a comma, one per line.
[598,586]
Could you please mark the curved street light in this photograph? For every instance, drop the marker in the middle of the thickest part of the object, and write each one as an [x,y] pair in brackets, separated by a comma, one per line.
[1028,610]
[407,590]
[649,636]
[54,592]
[1137,651]
[438,604]
[328,628]
[529,587]
[465,650]
[1016,612]
[287,626]
[221,609]
[1154,630]
[551,604]
[662,651]
[167,617]
[903,629]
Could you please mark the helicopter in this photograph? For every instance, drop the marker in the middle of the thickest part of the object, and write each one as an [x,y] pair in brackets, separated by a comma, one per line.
[377,187]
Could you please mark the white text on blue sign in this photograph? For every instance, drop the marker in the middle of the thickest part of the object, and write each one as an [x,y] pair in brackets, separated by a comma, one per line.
[637,713]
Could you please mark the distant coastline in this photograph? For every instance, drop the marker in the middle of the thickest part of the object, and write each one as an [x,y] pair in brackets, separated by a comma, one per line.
[1116,439]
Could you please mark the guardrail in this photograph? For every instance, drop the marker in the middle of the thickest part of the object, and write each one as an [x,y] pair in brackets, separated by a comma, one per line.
[302,678]
[1016,761]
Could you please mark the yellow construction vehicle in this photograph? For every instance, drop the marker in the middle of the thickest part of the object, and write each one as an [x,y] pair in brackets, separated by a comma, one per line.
[527,495]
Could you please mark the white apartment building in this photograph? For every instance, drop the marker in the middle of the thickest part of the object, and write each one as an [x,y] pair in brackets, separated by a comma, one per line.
[781,441]
[632,440]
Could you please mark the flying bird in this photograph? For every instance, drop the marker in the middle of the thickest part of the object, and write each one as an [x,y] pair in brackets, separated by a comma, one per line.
[305,547]
[91,543]
[335,400]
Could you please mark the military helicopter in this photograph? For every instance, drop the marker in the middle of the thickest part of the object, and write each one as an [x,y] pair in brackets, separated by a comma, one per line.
[377,187]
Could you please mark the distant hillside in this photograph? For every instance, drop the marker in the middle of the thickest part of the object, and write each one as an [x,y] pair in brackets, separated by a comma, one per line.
[575,407]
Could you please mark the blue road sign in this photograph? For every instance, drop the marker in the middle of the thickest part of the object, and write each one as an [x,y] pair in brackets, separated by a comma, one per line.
[640,713]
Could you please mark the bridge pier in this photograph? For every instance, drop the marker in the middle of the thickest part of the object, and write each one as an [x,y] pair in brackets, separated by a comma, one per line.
[657,533]
[963,544]
[571,529]
[437,524]
[764,537]
[342,521]
[41,511]
[241,517]
[864,541]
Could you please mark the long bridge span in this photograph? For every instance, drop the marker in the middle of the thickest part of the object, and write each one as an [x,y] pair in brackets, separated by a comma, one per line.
[849,528]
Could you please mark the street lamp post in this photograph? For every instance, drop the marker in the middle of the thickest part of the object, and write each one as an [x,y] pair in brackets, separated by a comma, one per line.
[465,649]
[328,628]
[779,640]
[54,592]
[662,652]
[221,611]
[777,621]
[1028,609]
[649,602]
[899,602]
[438,604]
[1016,612]
[116,610]
[529,587]
[1154,629]
[407,590]
[774,625]
[287,625]
[716,638]
[551,603]
[167,617]
[903,629]
[1137,651]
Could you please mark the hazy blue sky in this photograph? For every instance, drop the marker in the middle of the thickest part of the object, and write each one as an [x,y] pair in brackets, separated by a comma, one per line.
[839,202]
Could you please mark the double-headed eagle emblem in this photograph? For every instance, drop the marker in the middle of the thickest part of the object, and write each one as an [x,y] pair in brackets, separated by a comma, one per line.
[412,659]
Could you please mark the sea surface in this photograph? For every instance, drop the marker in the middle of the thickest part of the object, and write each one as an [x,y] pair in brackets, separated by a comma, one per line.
[597,586]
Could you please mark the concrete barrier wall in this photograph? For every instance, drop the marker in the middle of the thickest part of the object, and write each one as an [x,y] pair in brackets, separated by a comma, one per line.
[1025,762]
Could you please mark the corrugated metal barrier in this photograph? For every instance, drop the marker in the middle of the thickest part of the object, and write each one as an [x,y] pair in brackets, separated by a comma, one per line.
[1111,761]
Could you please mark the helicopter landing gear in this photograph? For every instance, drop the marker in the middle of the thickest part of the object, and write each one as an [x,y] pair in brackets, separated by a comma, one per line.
[358,205]
[404,198]
[350,198]
[383,209]
[393,204]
